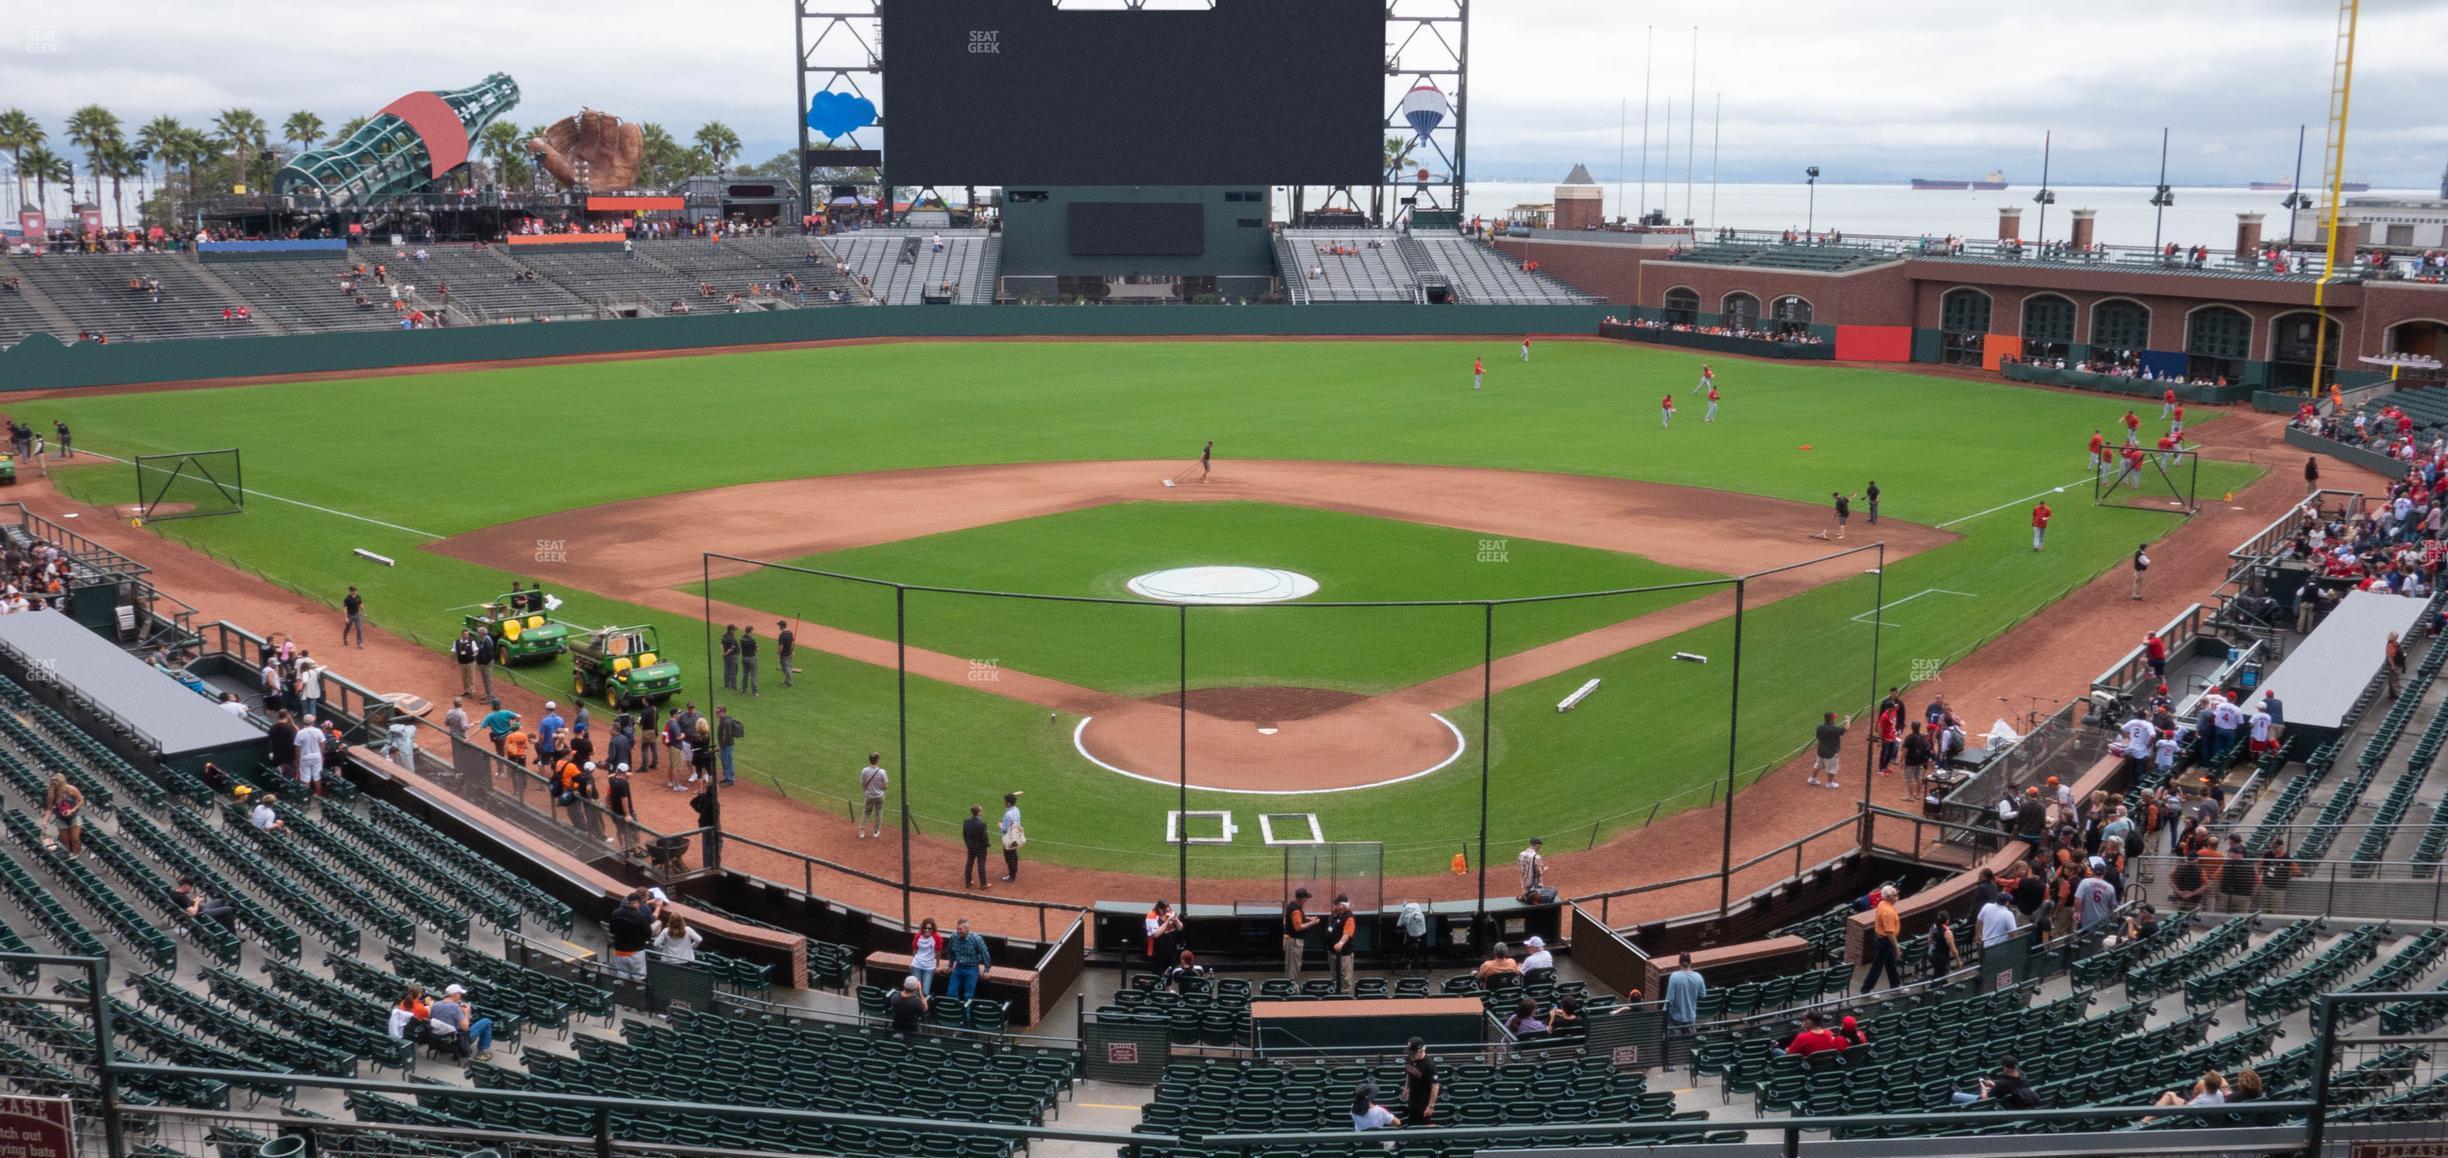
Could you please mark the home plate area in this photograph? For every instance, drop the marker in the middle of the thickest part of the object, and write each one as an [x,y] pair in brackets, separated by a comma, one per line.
[1204,826]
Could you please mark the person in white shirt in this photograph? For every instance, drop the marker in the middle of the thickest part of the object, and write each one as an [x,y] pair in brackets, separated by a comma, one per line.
[2164,755]
[1997,923]
[2228,719]
[310,755]
[263,817]
[1367,1114]
[1539,957]
[231,704]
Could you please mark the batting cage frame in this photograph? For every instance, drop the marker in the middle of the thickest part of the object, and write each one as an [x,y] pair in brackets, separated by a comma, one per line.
[2162,480]
[903,676]
[188,483]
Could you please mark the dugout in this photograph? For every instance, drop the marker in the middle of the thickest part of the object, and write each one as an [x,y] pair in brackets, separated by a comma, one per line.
[1137,243]
[150,721]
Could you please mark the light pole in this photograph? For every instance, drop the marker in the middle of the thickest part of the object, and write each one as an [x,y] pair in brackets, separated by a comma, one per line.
[2295,199]
[2161,199]
[1810,221]
[2046,196]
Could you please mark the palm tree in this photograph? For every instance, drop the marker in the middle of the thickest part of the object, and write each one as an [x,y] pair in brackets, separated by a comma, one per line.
[663,157]
[93,129]
[159,138]
[43,166]
[119,161]
[718,141]
[19,131]
[1398,152]
[242,130]
[504,146]
[302,129]
[190,148]
[349,127]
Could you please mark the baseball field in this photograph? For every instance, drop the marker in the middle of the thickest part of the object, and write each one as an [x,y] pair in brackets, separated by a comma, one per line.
[963,520]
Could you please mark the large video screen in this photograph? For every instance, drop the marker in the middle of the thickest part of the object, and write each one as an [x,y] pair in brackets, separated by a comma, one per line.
[1020,92]
[1138,229]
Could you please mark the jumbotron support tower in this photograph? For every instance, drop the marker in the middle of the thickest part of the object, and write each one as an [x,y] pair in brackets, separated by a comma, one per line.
[413,142]
[839,43]
[1428,66]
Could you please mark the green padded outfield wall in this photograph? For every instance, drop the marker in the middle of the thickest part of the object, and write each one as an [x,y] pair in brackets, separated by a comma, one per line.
[42,362]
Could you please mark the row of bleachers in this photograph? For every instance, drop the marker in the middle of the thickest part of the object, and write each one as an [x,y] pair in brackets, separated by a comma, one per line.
[1347,266]
[19,315]
[1483,276]
[307,296]
[95,292]
[901,267]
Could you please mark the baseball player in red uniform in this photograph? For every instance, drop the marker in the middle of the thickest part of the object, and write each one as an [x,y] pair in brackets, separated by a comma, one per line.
[2167,403]
[1525,347]
[2099,453]
[1708,378]
[1478,371]
[2133,429]
[1711,416]
[2040,518]
[2178,429]
[1666,411]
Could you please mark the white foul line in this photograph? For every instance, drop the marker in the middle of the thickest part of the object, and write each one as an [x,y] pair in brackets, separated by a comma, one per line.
[2014,503]
[295,502]
[1864,617]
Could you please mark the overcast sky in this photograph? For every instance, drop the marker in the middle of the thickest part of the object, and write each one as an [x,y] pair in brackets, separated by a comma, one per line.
[1867,91]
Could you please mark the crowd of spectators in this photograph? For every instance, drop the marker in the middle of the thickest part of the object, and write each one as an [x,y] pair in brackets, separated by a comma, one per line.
[1794,336]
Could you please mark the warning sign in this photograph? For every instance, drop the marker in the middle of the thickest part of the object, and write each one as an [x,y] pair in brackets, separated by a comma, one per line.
[1627,1057]
[1120,1053]
[36,1128]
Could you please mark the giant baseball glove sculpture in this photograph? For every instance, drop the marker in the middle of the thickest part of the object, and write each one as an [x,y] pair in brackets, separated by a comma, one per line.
[613,150]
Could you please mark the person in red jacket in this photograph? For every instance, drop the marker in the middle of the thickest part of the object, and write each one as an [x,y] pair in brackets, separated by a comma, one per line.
[2040,517]
[2167,403]
[2099,453]
[1815,1037]
[2133,429]
[1666,411]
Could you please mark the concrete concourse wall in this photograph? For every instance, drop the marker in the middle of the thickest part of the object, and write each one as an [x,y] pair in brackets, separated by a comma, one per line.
[42,362]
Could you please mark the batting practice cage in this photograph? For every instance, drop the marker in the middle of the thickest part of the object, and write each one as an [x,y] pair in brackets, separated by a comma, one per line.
[2151,480]
[191,482]
[1228,754]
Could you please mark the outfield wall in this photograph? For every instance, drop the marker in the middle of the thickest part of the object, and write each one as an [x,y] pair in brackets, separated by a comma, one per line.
[42,362]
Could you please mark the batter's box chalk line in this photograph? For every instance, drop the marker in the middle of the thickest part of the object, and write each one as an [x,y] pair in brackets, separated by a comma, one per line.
[1865,617]
[1296,822]
[1223,824]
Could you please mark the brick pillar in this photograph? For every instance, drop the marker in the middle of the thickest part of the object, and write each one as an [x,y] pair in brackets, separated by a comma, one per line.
[2248,236]
[2082,229]
[2010,223]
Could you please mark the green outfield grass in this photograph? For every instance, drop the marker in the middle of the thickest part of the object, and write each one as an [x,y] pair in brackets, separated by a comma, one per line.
[439,454]
[1133,650]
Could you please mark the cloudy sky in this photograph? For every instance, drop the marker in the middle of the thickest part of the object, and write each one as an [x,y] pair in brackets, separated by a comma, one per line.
[1869,91]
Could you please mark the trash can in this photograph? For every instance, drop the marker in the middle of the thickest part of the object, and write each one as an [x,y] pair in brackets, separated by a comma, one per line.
[285,1146]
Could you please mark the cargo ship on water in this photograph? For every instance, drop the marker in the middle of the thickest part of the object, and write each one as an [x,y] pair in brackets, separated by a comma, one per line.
[1995,180]
[2284,186]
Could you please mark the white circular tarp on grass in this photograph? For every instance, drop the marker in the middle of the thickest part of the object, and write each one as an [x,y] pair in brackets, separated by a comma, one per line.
[1223,585]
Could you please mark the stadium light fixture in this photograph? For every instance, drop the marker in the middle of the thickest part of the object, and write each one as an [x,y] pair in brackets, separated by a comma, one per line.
[1810,219]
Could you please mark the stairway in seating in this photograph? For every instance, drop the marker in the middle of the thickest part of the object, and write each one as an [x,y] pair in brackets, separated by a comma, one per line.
[1289,271]
[1425,271]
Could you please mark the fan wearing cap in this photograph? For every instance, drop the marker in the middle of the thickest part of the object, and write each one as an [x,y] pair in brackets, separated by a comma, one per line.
[550,736]
[2095,900]
[1538,958]
[2031,820]
[454,1018]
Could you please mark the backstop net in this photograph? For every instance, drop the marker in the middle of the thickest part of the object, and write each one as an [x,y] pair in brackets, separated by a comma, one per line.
[187,483]
[2148,479]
